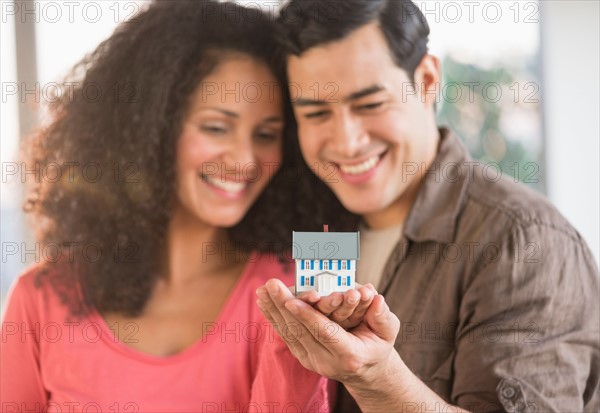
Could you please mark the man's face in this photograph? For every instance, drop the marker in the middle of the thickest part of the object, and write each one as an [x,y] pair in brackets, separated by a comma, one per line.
[363,128]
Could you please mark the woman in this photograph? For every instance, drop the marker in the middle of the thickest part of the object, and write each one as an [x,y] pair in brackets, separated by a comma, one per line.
[164,227]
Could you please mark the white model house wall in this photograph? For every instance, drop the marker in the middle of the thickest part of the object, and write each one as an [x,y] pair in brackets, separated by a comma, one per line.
[307,271]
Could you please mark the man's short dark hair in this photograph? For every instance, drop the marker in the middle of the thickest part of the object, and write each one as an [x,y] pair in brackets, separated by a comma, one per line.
[309,23]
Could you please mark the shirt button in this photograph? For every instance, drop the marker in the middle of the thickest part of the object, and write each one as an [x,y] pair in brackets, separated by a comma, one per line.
[508,392]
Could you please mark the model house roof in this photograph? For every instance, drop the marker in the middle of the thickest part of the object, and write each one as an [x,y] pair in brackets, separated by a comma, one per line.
[326,245]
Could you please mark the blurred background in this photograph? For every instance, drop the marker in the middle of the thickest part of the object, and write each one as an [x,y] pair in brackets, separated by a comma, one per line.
[521,88]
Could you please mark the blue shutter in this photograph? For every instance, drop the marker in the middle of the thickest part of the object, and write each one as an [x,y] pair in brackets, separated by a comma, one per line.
[302,280]
[339,264]
[339,280]
[320,264]
[312,280]
[302,264]
[348,264]
[312,264]
[330,265]
[348,280]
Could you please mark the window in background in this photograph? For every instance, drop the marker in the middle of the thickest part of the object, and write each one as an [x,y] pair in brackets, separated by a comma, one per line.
[64,33]
[11,230]
[491,86]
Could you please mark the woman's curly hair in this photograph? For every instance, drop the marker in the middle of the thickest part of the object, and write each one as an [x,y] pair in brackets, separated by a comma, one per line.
[113,137]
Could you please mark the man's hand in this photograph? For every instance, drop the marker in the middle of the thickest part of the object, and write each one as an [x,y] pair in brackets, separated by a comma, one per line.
[363,359]
[322,346]
[347,309]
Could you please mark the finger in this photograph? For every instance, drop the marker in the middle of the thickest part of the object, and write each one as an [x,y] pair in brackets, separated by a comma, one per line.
[326,333]
[288,332]
[367,290]
[381,320]
[269,309]
[278,291]
[297,351]
[367,293]
[358,315]
[310,297]
[327,305]
[268,315]
[359,312]
[351,300]
[293,331]
[319,327]
[268,306]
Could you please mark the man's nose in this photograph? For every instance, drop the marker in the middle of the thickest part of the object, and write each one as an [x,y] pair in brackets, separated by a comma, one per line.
[349,136]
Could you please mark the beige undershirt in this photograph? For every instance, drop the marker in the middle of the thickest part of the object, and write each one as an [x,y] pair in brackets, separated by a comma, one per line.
[375,249]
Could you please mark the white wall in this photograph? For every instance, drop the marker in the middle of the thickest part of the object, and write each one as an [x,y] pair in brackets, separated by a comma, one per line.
[571,96]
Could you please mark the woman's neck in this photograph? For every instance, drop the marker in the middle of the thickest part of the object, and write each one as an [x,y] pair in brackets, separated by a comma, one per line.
[194,249]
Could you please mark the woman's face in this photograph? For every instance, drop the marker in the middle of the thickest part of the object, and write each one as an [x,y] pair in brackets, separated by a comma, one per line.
[231,141]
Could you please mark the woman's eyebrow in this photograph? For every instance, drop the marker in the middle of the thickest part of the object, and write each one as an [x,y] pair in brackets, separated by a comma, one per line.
[234,115]
[223,111]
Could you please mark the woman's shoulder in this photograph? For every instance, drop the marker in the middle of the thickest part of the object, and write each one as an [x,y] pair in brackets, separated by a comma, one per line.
[31,295]
[23,298]
[27,283]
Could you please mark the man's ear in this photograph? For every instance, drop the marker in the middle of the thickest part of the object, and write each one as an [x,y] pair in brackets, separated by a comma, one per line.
[427,76]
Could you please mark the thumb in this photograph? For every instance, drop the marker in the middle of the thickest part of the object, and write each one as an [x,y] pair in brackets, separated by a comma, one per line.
[381,320]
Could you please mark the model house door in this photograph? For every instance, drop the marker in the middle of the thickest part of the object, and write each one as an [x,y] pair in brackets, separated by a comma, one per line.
[325,284]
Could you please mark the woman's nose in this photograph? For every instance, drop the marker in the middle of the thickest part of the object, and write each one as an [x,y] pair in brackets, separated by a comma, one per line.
[240,160]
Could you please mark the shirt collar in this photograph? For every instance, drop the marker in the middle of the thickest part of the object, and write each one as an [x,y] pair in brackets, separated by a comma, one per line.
[439,201]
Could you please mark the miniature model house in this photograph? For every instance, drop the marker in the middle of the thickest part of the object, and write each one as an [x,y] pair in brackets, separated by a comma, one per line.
[325,261]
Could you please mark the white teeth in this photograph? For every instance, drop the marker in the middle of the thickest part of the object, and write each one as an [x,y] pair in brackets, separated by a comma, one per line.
[360,168]
[228,186]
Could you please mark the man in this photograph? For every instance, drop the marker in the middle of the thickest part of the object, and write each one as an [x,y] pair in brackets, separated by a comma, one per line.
[496,294]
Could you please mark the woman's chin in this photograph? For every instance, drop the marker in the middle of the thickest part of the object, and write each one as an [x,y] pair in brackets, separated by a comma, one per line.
[225,219]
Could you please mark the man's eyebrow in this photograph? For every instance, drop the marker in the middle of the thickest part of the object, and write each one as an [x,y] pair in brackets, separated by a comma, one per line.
[353,96]
[308,102]
[364,92]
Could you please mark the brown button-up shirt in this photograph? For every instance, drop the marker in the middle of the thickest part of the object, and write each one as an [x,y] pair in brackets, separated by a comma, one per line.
[497,294]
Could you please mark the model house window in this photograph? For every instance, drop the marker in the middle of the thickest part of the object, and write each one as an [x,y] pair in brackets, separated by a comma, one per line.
[307,281]
[344,281]
[344,265]
[326,265]
[307,264]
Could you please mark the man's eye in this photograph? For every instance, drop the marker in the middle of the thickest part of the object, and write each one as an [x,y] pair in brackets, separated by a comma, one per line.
[370,106]
[315,115]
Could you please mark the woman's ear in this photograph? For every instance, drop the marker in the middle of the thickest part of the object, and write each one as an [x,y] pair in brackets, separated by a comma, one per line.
[427,76]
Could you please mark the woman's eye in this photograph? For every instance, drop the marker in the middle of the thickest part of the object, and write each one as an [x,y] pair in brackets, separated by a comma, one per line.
[267,136]
[214,130]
